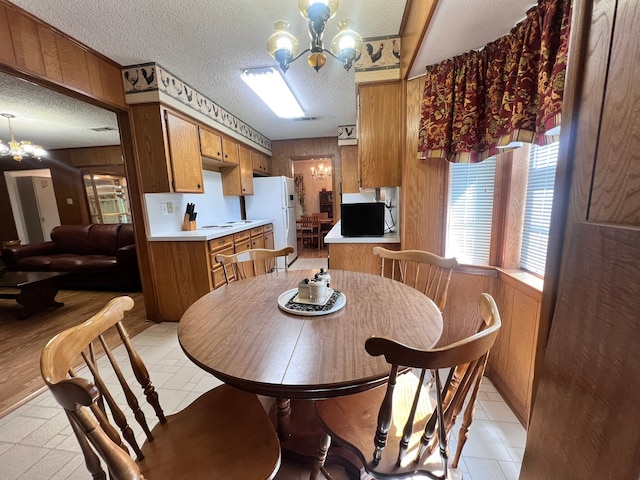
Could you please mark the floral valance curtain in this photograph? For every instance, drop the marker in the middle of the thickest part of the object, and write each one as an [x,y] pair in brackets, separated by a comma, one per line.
[510,91]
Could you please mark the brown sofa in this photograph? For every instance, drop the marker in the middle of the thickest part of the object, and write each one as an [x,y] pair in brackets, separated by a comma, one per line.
[96,257]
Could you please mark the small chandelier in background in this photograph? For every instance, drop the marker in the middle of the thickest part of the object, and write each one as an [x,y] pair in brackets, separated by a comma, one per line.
[19,150]
[345,46]
[321,173]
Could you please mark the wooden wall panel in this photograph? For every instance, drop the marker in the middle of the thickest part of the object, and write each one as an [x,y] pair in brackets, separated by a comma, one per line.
[6,46]
[35,48]
[417,16]
[95,78]
[50,53]
[73,64]
[462,314]
[424,185]
[350,169]
[112,85]
[357,257]
[26,42]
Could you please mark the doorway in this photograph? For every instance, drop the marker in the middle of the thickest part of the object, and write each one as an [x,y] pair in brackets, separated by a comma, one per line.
[33,202]
[76,135]
[313,179]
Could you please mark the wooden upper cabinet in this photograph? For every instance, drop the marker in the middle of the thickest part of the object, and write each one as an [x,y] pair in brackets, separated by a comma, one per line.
[379,134]
[229,151]
[168,150]
[210,144]
[184,154]
[216,147]
[238,181]
[260,163]
[246,170]
[350,169]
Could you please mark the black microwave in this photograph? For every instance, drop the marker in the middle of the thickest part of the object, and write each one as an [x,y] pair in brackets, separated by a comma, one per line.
[362,219]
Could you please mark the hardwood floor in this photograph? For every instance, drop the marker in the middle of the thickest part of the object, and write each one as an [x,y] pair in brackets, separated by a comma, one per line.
[22,341]
[312,252]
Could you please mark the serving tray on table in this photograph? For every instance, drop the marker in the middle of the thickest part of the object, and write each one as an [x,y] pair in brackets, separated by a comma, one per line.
[333,301]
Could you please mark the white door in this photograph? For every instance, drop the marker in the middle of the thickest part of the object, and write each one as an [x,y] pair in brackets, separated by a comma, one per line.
[47,207]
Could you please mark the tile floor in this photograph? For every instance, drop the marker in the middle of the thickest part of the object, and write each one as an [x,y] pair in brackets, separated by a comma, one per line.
[36,441]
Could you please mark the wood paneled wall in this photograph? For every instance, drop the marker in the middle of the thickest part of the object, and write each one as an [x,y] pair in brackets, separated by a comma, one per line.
[424,184]
[35,48]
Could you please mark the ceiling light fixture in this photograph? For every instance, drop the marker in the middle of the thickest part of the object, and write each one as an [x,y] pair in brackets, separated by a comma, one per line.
[19,150]
[345,46]
[270,86]
[321,173]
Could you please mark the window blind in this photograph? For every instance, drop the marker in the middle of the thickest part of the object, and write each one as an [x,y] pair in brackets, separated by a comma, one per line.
[537,212]
[470,211]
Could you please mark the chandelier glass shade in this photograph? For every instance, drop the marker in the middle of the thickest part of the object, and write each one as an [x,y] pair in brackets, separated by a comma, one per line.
[345,46]
[321,173]
[19,150]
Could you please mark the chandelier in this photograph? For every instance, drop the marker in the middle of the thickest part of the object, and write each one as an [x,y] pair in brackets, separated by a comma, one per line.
[16,149]
[321,173]
[345,46]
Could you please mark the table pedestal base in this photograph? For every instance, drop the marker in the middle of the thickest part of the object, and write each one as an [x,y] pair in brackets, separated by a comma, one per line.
[300,433]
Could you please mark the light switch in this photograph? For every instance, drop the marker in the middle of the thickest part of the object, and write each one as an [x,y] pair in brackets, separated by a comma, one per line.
[164,209]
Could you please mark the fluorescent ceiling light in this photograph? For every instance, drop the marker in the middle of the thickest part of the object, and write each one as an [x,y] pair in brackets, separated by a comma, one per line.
[270,86]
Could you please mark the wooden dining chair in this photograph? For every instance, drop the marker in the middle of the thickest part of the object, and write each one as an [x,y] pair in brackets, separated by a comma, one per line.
[224,433]
[425,271]
[311,230]
[394,430]
[250,263]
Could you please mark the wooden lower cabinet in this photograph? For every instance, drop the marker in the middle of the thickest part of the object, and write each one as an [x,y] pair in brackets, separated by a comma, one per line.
[222,245]
[268,237]
[185,271]
[357,257]
[181,274]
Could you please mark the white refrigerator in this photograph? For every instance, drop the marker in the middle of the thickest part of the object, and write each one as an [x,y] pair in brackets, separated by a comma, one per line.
[273,198]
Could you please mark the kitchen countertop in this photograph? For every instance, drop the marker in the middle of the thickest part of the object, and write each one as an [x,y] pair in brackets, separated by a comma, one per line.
[204,234]
[334,236]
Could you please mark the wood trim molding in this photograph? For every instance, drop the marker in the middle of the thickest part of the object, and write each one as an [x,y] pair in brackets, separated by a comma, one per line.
[415,21]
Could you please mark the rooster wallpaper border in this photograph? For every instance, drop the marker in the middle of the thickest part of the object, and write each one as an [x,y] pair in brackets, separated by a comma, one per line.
[385,57]
[143,78]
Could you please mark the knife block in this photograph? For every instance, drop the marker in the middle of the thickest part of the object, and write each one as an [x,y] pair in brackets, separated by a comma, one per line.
[188,225]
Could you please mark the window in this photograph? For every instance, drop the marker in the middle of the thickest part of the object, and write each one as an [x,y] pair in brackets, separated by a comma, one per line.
[470,211]
[537,212]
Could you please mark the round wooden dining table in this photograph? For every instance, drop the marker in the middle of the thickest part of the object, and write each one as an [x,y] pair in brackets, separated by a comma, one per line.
[239,334]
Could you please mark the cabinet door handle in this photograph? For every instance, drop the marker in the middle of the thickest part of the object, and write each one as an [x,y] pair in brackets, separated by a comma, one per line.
[199,186]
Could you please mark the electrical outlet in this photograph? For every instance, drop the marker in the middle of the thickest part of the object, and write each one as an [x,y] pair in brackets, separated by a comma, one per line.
[164,209]
[170,207]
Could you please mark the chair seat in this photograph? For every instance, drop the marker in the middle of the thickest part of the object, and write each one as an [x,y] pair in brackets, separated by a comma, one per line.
[208,433]
[352,422]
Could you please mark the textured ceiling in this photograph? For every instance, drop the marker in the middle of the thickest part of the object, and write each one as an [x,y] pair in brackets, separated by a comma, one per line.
[208,44]
[51,119]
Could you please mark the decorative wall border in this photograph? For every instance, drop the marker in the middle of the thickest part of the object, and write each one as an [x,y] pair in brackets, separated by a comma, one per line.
[140,80]
[347,135]
[379,53]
